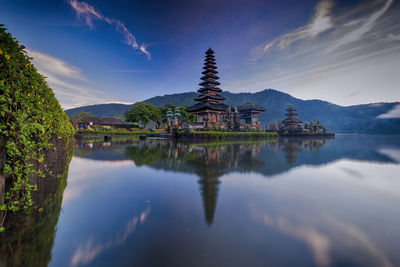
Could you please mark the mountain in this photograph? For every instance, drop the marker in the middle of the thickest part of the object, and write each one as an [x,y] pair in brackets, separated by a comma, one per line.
[340,119]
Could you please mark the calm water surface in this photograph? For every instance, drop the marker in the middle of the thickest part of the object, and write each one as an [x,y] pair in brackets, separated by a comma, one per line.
[286,203]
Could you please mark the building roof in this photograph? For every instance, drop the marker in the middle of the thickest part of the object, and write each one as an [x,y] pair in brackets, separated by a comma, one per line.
[207,67]
[207,88]
[207,82]
[103,121]
[206,105]
[208,76]
[290,109]
[206,96]
[250,107]
[291,120]
[209,51]
[209,71]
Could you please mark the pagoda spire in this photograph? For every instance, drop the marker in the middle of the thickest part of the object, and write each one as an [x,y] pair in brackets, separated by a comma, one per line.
[209,92]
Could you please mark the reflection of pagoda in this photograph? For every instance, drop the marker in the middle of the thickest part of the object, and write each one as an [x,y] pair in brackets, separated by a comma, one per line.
[214,161]
[209,110]
[292,146]
[209,187]
[207,162]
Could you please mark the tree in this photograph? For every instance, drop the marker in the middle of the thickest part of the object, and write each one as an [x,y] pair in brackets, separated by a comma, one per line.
[315,126]
[143,113]
[80,117]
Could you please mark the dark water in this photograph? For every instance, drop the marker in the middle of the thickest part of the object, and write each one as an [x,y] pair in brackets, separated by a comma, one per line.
[286,203]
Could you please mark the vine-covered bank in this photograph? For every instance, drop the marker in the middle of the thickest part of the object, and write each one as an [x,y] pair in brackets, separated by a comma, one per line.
[30,116]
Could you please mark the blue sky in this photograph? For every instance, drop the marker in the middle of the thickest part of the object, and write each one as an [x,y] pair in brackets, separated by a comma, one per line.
[346,52]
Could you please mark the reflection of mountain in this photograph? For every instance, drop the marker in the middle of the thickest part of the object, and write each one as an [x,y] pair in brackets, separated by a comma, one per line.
[264,158]
[28,240]
[98,150]
[211,161]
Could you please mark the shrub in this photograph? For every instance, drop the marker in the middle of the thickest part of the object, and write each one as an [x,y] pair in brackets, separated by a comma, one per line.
[30,116]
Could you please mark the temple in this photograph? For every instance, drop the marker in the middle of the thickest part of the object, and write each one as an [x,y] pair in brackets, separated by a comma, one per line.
[210,110]
[249,114]
[291,123]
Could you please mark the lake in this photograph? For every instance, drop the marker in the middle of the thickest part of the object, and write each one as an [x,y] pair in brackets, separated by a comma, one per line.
[290,202]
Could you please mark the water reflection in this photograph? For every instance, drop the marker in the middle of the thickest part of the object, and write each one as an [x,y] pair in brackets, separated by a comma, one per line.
[293,202]
[210,161]
[29,238]
[267,158]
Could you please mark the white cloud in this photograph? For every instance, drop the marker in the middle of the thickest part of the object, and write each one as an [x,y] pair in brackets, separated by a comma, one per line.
[338,52]
[90,14]
[319,23]
[68,82]
[49,64]
[86,253]
[394,113]
[360,30]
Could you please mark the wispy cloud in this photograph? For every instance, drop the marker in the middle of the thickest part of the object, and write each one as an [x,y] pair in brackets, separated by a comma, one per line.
[361,27]
[319,23]
[341,49]
[90,14]
[52,65]
[130,70]
[348,30]
[86,253]
[68,82]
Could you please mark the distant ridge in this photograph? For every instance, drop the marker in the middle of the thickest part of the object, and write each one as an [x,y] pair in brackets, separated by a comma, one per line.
[351,119]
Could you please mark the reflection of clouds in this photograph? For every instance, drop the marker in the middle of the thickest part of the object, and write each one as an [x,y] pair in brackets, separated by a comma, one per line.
[318,242]
[89,251]
[338,216]
[83,174]
[326,236]
[86,253]
[394,154]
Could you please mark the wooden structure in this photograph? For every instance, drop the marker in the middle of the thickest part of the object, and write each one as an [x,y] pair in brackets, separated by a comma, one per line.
[249,114]
[210,110]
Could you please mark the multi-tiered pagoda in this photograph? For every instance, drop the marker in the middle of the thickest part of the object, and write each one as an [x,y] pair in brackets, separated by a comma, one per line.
[210,110]
[291,122]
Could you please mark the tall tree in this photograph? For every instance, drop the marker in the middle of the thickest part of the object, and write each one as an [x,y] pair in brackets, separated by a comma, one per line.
[143,113]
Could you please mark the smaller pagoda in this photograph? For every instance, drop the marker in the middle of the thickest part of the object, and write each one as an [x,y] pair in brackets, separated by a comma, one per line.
[291,123]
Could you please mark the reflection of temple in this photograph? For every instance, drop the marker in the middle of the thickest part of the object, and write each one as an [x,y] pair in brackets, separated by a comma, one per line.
[292,146]
[209,162]
[209,187]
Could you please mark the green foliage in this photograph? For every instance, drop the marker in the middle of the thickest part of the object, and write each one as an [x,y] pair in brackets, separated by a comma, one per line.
[79,118]
[30,116]
[117,132]
[348,119]
[216,135]
[143,113]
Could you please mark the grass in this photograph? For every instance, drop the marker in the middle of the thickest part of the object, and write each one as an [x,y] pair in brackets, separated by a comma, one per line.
[117,132]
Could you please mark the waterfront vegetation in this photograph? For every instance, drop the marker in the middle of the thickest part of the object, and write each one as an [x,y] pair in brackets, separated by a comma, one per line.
[219,135]
[114,131]
[182,134]
[30,116]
